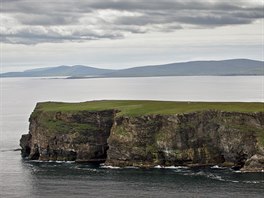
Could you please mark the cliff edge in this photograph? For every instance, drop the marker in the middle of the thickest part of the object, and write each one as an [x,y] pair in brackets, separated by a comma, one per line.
[148,133]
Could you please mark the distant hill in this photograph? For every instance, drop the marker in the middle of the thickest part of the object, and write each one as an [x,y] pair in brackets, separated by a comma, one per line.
[196,68]
[76,71]
[193,68]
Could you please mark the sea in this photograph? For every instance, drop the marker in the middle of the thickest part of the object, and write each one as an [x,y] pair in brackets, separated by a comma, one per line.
[21,178]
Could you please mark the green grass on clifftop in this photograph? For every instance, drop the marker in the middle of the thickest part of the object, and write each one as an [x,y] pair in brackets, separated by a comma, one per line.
[140,107]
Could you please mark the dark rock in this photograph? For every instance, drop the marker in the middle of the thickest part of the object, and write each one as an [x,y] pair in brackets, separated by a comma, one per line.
[25,143]
[192,139]
[68,136]
[18,149]
[199,138]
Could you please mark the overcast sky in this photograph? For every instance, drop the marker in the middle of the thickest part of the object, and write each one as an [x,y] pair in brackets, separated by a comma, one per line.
[121,34]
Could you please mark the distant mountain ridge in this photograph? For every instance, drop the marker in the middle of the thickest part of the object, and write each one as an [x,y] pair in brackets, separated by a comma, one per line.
[193,68]
[77,70]
[197,68]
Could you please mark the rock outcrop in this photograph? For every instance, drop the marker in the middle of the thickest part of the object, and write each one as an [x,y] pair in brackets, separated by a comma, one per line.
[199,138]
[192,139]
[68,136]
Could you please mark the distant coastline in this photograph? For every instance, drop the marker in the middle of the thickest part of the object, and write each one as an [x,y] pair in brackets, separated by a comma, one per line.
[232,67]
[91,77]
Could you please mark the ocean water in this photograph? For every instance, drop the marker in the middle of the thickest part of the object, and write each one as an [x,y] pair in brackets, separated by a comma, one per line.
[22,178]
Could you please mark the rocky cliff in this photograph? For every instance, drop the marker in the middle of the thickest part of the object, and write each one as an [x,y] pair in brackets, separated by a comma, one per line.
[198,138]
[208,137]
[72,136]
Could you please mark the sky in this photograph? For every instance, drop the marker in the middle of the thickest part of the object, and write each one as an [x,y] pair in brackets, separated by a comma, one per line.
[121,34]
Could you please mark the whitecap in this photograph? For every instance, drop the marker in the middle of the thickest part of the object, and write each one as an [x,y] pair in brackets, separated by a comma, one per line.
[69,162]
[63,162]
[253,182]
[109,167]
[217,167]
[234,181]
[37,161]
[171,167]
[215,177]
[176,167]
[59,162]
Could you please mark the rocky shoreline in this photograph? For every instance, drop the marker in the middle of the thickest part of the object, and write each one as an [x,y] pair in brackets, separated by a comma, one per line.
[200,138]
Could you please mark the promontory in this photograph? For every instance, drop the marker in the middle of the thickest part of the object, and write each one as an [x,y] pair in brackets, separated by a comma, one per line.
[148,133]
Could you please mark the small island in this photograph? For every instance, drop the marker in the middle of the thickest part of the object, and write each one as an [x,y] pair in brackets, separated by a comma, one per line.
[148,133]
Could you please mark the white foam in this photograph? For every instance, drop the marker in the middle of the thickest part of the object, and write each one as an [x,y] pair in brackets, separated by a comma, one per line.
[59,162]
[171,167]
[109,167]
[176,167]
[70,162]
[253,182]
[52,161]
[216,177]
[38,161]
[217,167]
[158,166]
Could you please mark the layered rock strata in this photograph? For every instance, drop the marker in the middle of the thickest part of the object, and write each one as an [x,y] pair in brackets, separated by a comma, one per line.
[72,136]
[200,138]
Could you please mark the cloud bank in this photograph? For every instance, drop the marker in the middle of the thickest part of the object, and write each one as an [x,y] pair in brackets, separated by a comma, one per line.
[32,22]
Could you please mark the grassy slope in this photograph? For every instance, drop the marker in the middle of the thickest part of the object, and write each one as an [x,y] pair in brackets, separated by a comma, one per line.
[140,107]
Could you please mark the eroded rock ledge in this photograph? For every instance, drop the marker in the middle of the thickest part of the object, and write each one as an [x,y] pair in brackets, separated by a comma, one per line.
[208,137]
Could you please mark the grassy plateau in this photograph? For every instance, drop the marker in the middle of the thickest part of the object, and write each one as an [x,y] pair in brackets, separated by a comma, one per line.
[143,107]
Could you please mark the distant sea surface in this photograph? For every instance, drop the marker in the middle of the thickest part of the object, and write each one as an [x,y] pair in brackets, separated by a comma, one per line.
[21,178]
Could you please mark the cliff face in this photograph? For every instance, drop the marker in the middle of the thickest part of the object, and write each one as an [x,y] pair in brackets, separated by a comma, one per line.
[80,136]
[198,138]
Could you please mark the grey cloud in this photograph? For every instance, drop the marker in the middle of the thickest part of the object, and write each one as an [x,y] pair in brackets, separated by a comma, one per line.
[212,20]
[163,5]
[42,35]
[204,19]
[132,16]
[255,14]
[45,20]
[71,6]
[48,7]
[138,29]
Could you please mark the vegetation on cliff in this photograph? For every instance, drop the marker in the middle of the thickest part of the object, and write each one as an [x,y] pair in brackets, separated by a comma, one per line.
[141,107]
[148,133]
